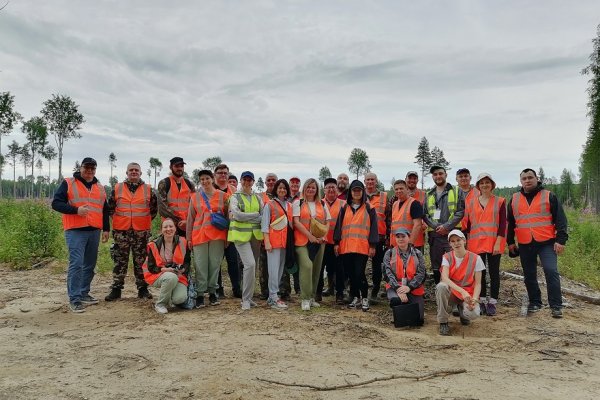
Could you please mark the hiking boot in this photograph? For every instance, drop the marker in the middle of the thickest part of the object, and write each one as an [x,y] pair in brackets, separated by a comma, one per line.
[76,307]
[365,304]
[556,313]
[490,309]
[533,308]
[245,305]
[221,292]
[339,300]
[200,302]
[213,299]
[305,305]
[465,321]
[89,300]
[354,303]
[114,294]
[237,293]
[313,303]
[160,308]
[143,293]
[444,329]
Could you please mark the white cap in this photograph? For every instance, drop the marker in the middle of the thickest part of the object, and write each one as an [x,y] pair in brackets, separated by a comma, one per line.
[456,232]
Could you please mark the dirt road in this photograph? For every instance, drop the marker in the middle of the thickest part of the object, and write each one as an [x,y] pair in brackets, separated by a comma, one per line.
[125,350]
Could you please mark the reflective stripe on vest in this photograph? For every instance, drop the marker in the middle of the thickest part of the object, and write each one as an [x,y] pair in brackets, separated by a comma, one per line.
[178,200]
[334,211]
[400,268]
[178,258]
[355,231]
[243,231]
[299,238]
[533,221]
[132,210]
[202,230]
[78,196]
[378,202]
[484,225]
[464,274]
[419,195]
[278,239]
[452,201]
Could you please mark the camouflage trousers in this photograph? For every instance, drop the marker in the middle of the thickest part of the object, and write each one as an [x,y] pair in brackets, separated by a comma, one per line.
[124,243]
[263,272]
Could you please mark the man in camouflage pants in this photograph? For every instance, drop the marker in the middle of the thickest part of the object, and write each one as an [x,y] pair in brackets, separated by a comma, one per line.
[132,205]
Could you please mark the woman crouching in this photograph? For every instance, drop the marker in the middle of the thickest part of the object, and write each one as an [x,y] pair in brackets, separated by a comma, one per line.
[167,266]
[405,269]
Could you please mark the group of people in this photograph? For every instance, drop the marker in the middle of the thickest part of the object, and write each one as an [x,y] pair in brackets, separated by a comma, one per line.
[291,232]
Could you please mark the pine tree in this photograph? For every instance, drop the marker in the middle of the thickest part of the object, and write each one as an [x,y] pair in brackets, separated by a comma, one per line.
[423,159]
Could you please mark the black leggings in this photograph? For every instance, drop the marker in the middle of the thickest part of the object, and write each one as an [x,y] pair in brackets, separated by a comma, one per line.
[492,264]
[355,265]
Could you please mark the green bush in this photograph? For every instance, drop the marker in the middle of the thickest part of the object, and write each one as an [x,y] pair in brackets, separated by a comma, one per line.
[580,259]
[30,230]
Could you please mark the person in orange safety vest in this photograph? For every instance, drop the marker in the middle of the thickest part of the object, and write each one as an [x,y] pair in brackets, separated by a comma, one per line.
[173,194]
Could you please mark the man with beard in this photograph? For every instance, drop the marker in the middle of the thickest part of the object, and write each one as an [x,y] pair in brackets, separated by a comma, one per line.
[132,205]
[263,268]
[224,184]
[342,186]
[174,194]
[444,209]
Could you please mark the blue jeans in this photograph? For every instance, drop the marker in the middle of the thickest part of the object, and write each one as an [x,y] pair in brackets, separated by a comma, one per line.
[83,253]
[528,254]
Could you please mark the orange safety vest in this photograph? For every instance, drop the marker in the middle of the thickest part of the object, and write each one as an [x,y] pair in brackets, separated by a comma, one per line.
[405,271]
[203,231]
[265,198]
[133,209]
[533,221]
[464,274]
[419,195]
[300,238]
[78,196]
[378,202]
[178,258]
[334,210]
[484,224]
[401,219]
[278,239]
[178,200]
[471,194]
[355,231]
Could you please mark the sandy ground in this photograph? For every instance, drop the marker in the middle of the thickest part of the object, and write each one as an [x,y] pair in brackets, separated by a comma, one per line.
[125,350]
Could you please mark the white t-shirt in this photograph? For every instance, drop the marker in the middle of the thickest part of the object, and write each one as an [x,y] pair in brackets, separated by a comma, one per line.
[311,207]
[479,265]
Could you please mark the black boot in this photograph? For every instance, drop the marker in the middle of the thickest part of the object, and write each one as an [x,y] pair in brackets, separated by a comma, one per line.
[114,294]
[143,293]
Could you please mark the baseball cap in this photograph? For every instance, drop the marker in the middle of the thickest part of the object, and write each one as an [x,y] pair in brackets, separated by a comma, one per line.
[295,178]
[247,174]
[410,173]
[456,232]
[329,180]
[434,167]
[176,160]
[463,171]
[89,161]
[402,231]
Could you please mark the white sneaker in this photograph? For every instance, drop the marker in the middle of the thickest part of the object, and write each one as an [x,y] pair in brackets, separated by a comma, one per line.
[355,303]
[365,304]
[245,305]
[280,304]
[313,303]
[305,305]
[160,308]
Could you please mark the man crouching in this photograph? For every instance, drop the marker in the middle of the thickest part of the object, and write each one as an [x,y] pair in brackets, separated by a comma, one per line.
[460,283]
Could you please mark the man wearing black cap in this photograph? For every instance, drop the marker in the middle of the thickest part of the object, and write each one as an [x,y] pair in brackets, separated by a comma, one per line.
[174,194]
[82,201]
[444,208]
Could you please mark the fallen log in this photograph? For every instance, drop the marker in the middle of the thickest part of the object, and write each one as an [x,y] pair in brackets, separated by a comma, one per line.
[577,295]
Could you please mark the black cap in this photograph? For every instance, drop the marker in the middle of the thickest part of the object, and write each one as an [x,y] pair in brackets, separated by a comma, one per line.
[176,160]
[463,171]
[434,167]
[330,180]
[89,161]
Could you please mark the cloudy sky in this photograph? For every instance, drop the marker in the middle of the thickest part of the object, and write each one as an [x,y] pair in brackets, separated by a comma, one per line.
[291,86]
